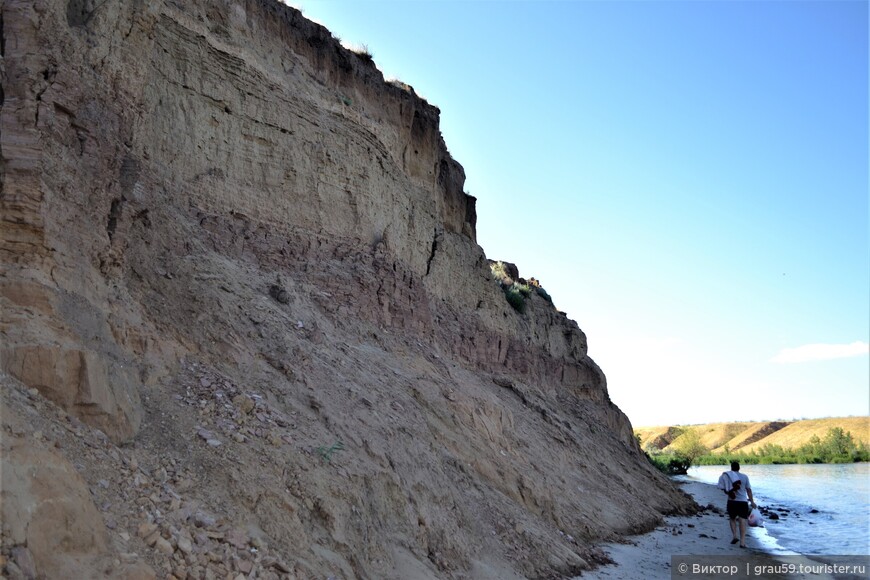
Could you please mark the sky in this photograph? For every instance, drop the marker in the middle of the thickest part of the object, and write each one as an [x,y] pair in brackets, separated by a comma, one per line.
[687,179]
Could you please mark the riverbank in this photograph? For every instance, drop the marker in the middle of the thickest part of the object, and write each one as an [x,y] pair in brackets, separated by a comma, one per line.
[706,533]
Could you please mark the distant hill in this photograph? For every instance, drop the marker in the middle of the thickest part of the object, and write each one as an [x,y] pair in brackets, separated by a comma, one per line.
[750,435]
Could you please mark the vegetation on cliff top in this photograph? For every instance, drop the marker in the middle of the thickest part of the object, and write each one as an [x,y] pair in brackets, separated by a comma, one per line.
[516,290]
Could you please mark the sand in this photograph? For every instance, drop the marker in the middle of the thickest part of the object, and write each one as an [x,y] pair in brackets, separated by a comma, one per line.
[707,533]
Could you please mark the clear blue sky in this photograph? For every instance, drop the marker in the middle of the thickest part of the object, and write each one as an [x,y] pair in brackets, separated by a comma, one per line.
[689,181]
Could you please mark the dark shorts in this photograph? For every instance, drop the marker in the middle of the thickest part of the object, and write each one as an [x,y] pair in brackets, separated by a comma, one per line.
[737,509]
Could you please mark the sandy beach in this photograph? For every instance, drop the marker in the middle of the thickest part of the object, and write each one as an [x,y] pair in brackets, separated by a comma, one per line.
[706,533]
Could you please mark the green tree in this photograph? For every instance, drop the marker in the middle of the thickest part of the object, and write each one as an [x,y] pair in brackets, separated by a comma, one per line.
[838,442]
[689,445]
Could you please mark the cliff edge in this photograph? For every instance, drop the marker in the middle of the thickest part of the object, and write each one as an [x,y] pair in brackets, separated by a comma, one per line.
[247,329]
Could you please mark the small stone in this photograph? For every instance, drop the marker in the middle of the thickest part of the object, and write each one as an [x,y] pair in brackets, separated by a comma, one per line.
[279,294]
[237,537]
[175,504]
[201,539]
[213,442]
[238,438]
[125,536]
[244,403]
[184,544]
[24,559]
[245,566]
[503,382]
[164,546]
[128,557]
[12,571]
[160,475]
[152,539]
[273,562]
[202,520]
[146,529]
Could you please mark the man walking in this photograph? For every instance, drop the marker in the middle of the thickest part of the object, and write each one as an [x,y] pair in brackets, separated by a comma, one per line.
[736,486]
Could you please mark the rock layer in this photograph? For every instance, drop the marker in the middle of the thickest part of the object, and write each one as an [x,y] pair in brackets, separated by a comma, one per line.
[229,243]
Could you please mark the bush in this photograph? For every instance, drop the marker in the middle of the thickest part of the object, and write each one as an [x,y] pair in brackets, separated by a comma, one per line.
[516,291]
[515,298]
[670,463]
[543,294]
[363,52]
[689,445]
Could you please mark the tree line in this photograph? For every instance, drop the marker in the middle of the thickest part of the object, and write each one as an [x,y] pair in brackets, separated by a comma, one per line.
[837,446]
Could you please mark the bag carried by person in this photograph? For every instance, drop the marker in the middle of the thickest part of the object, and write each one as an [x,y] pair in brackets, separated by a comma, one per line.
[755,519]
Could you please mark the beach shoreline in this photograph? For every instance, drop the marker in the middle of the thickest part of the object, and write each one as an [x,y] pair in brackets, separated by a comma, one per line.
[705,534]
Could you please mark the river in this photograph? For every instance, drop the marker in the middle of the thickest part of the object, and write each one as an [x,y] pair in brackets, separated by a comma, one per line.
[840,493]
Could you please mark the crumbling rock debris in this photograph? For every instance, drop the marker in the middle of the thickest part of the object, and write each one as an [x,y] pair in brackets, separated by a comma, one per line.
[279,294]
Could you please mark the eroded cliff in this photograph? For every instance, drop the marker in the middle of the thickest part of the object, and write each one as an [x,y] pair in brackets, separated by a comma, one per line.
[235,250]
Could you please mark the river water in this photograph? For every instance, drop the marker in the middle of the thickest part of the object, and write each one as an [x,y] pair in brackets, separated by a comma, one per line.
[840,493]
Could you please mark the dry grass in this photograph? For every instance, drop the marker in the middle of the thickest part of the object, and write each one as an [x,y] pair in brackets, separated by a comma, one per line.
[658,437]
[796,434]
[716,435]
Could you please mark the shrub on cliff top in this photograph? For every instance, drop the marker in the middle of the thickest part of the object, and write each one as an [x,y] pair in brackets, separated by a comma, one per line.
[544,294]
[500,273]
[516,291]
[363,52]
[515,298]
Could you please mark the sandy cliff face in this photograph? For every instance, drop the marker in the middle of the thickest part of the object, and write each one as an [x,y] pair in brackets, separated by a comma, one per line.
[229,245]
